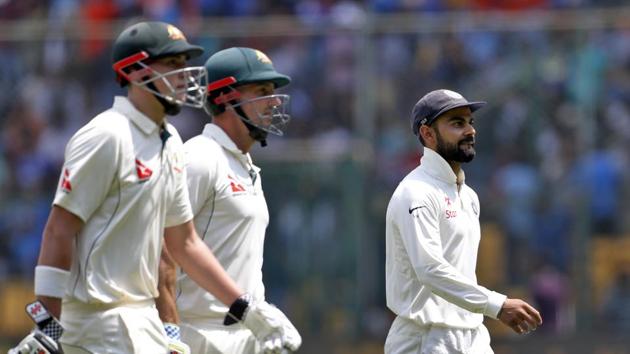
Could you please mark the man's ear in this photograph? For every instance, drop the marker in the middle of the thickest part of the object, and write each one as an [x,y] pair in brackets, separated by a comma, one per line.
[426,133]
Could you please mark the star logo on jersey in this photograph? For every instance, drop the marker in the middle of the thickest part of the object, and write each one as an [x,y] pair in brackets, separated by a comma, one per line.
[236,187]
[65,181]
[144,173]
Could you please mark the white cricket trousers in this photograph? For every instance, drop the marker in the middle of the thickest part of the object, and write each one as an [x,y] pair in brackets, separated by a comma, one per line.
[100,329]
[407,337]
[210,336]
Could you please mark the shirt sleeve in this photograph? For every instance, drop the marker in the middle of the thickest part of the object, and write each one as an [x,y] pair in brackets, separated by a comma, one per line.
[90,164]
[420,233]
[179,210]
[201,172]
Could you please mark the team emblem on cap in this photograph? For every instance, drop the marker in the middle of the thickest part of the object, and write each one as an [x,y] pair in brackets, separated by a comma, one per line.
[262,57]
[452,94]
[174,33]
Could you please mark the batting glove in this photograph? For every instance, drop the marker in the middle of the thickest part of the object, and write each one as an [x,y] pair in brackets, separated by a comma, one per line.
[37,342]
[269,325]
[175,344]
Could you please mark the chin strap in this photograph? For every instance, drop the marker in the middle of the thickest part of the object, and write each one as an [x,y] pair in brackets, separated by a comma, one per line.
[255,132]
[169,108]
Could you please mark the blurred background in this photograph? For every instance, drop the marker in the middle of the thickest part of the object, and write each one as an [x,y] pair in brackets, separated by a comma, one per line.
[553,147]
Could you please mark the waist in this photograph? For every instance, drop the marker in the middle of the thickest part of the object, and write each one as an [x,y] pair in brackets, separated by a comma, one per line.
[75,305]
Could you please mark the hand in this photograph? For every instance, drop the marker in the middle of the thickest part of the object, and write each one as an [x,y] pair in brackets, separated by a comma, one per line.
[175,344]
[272,328]
[520,316]
[37,342]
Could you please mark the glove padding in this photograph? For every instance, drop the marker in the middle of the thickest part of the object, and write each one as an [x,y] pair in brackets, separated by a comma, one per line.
[175,344]
[37,342]
[272,328]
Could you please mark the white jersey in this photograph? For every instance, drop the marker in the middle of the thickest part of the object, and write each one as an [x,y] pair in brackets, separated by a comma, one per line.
[230,215]
[126,187]
[432,238]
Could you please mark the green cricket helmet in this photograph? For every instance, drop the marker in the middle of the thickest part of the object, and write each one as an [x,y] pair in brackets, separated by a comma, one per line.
[233,67]
[142,43]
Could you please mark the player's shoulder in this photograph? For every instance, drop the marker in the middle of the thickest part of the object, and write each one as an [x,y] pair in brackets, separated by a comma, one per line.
[466,189]
[203,147]
[417,182]
[203,154]
[103,128]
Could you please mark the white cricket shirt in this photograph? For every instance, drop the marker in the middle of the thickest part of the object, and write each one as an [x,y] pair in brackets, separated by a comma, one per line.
[127,188]
[432,238]
[231,217]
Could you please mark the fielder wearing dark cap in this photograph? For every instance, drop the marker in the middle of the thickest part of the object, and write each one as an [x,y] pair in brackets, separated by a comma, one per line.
[435,103]
[432,235]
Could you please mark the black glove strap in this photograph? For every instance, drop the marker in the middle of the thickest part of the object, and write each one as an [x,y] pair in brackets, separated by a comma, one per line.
[237,310]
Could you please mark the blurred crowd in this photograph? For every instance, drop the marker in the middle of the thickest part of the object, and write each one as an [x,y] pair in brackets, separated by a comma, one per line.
[552,168]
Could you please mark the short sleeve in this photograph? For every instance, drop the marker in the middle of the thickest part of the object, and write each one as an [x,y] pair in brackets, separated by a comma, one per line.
[179,210]
[91,162]
[201,174]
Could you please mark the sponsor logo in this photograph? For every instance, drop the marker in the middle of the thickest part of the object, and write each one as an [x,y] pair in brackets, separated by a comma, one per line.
[144,173]
[418,207]
[65,181]
[37,312]
[236,187]
[451,214]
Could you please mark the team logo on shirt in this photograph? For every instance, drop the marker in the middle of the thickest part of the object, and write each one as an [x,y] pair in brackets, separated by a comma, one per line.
[236,187]
[144,173]
[65,181]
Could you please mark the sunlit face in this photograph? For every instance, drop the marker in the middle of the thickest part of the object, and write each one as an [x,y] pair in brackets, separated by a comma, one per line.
[257,108]
[174,84]
[263,108]
[455,135]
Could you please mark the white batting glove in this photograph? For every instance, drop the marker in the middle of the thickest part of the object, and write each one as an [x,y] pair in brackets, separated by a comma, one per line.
[175,344]
[37,342]
[291,338]
[269,325]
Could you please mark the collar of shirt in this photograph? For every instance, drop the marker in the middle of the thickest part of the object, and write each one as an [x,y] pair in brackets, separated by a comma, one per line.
[437,167]
[144,123]
[215,132]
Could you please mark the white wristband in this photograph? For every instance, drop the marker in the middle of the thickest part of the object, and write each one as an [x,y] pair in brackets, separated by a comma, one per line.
[51,281]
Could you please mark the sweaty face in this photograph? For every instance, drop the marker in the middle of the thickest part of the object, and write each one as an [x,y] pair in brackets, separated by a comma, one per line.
[455,135]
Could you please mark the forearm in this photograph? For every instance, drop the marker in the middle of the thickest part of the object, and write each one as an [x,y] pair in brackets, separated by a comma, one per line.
[447,282]
[196,259]
[57,249]
[166,302]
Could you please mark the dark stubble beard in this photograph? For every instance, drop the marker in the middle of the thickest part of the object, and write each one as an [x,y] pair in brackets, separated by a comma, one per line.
[453,152]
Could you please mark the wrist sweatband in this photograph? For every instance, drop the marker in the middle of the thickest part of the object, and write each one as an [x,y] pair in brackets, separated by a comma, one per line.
[237,310]
[172,331]
[51,281]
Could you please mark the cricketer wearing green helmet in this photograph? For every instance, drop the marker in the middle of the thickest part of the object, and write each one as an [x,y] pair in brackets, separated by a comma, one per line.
[142,44]
[234,70]
[231,215]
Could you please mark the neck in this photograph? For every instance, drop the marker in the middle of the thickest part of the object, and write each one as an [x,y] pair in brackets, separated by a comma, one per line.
[456,166]
[146,103]
[236,130]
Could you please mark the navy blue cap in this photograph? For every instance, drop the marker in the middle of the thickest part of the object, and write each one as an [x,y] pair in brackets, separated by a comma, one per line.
[435,103]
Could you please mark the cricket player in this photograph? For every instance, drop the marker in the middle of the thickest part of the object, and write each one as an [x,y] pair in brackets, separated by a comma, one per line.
[122,192]
[432,238]
[228,201]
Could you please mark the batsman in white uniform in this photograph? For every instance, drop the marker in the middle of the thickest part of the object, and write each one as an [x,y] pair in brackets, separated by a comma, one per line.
[432,238]
[227,199]
[122,192]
